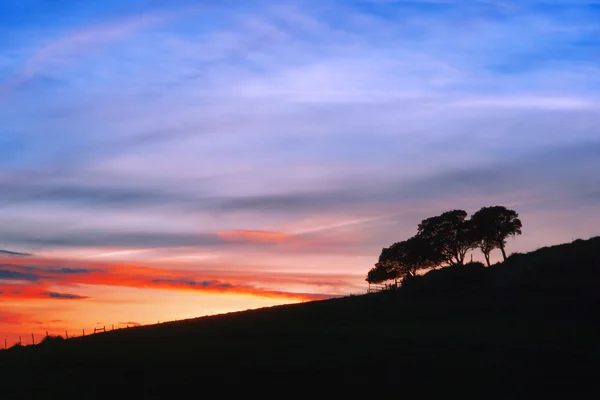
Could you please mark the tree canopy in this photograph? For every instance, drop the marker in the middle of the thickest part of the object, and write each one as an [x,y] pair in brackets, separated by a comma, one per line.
[493,225]
[445,240]
[402,260]
[448,235]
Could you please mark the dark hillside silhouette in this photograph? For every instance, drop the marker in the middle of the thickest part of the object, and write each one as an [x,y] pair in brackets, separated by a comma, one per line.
[524,328]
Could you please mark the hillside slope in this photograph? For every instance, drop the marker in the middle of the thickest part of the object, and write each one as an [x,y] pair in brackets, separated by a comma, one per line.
[530,325]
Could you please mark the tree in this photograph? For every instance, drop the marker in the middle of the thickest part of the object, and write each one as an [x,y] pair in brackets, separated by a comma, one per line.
[449,236]
[388,266]
[382,272]
[402,260]
[486,248]
[493,225]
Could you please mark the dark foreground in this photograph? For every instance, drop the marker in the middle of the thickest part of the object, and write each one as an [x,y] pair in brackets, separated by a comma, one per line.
[498,332]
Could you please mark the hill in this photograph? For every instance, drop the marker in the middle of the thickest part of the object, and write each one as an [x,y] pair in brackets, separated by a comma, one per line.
[527,326]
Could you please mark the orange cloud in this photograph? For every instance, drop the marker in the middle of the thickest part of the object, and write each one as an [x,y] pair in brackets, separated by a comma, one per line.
[34,278]
[34,291]
[252,236]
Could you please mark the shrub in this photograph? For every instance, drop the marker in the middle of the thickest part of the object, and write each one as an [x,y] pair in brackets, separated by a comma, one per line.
[52,339]
[474,265]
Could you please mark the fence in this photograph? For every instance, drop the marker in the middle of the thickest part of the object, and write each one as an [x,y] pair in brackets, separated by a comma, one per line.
[379,287]
[67,336]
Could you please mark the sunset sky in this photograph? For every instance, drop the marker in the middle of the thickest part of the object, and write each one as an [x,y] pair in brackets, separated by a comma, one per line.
[162,160]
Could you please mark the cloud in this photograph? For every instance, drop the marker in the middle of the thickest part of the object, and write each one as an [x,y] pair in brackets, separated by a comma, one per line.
[24,292]
[188,282]
[14,253]
[253,236]
[130,323]
[94,238]
[139,275]
[17,276]
[73,270]
[96,196]
[33,273]
[371,197]
[537,172]
[64,296]
[74,43]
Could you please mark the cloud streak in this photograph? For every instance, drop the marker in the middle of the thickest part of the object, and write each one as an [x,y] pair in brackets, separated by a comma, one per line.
[128,275]
[13,253]
[27,292]
[82,40]
[64,296]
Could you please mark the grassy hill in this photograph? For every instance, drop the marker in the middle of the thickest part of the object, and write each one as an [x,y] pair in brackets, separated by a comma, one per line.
[528,326]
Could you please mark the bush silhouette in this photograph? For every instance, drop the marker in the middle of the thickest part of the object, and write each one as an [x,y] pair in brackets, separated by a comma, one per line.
[51,339]
[458,277]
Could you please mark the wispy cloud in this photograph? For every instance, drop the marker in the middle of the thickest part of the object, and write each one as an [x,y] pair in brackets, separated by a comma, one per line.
[25,292]
[64,296]
[58,52]
[244,235]
[13,253]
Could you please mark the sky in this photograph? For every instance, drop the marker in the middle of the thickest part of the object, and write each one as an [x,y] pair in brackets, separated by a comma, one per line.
[167,160]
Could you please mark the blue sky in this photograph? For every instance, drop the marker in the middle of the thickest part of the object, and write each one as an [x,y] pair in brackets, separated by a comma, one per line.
[145,128]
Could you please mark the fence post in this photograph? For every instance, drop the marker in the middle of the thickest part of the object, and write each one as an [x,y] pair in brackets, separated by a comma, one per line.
[20,341]
[83,330]
[32,339]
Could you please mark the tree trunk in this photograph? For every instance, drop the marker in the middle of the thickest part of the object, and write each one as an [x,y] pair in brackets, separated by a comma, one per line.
[503,252]
[487,258]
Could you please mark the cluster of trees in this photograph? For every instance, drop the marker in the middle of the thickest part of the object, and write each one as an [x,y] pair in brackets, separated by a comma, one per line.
[445,240]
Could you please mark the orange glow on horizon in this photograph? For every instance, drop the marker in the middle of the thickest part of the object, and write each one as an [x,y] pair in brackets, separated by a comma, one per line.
[43,294]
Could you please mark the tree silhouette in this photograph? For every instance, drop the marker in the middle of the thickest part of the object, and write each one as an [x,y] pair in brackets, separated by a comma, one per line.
[402,260]
[493,225]
[449,236]
[387,268]
[381,272]
[445,240]
[486,248]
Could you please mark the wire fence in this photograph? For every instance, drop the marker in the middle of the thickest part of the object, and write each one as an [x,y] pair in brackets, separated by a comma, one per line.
[31,340]
[376,287]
